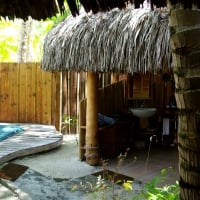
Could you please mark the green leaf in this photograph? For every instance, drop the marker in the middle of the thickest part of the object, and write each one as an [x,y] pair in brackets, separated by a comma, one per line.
[128,186]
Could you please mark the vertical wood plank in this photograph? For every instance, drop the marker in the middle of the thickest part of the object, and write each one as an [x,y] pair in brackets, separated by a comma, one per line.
[22,93]
[39,99]
[14,91]
[29,105]
[33,92]
[46,96]
[4,114]
[8,96]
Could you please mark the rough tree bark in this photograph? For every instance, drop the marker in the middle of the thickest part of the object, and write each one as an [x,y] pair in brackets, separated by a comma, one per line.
[185,46]
[24,52]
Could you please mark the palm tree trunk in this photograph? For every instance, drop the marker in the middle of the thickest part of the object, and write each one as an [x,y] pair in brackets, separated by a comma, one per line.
[25,52]
[185,45]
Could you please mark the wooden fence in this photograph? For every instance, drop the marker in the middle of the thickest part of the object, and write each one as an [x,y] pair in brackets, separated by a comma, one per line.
[112,101]
[113,98]
[29,95]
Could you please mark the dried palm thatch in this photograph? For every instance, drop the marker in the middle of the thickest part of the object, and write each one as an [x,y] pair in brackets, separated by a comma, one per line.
[37,9]
[128,40]
[96,5]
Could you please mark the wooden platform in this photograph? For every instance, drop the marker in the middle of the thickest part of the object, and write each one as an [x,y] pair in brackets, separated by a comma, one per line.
[35,138]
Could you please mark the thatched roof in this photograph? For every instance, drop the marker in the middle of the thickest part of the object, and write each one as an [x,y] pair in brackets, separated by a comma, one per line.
[102,6]
[129,40]
[37,9]
[41,9]
[106,5]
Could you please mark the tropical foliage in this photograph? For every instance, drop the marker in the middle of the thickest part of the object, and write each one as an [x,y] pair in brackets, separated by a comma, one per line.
[8,41]
[10,36]
[152,190]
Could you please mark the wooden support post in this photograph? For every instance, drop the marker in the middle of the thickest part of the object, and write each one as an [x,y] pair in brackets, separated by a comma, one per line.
[58,109]
[91,139]
[82,128]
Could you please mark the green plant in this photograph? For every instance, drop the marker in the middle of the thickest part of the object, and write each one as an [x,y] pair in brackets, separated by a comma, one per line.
[152,191]
[113,177]
[68,121]
[107,185]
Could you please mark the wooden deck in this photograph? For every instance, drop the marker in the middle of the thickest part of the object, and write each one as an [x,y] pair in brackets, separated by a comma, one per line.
[35,138]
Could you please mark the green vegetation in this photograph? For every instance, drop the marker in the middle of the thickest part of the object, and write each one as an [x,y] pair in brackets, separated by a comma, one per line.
[8,42]
[11,31]
[10,39]
[108,186]
[68,121]
[152,191]
[105,188]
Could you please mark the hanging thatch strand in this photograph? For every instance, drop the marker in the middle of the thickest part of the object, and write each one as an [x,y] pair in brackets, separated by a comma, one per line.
[129,40]
[41,9]
[37,9]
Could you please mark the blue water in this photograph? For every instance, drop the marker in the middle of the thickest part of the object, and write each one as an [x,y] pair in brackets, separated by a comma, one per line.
[9,130]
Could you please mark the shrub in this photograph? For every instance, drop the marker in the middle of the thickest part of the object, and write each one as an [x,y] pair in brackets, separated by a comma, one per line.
[152,191]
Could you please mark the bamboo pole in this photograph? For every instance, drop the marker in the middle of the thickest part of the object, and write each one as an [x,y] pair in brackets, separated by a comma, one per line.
[58,112]
[91,139]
